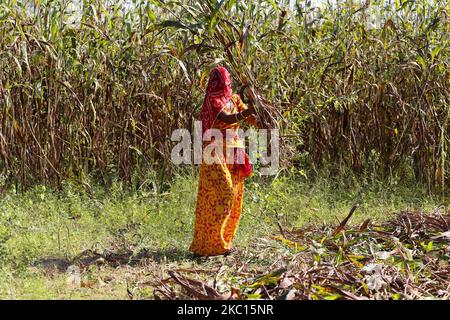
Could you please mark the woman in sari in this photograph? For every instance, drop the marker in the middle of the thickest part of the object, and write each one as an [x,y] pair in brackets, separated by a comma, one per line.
[221,183]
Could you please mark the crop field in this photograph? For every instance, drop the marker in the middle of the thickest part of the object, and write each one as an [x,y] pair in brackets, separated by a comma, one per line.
[92,207]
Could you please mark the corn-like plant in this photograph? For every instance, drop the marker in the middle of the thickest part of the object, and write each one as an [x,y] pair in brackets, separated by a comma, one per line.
[96,87]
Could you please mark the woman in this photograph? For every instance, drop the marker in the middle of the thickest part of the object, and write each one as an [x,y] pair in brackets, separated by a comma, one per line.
[221,185]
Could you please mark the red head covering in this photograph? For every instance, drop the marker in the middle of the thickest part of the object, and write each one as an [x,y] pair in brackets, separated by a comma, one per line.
[218,93]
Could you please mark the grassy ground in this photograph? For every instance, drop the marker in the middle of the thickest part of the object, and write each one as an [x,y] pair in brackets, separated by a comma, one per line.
[42,232]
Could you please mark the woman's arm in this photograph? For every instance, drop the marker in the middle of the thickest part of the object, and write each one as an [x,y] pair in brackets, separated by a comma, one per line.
[231,118]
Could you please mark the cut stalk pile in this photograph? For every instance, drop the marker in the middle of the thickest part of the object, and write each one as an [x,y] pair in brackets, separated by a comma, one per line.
[406,257]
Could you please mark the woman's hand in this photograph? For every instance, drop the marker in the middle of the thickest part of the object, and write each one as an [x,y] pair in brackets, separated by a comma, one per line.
[249,111]
[253,120]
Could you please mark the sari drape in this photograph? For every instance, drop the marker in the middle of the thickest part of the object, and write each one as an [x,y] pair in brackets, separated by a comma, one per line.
[221,185]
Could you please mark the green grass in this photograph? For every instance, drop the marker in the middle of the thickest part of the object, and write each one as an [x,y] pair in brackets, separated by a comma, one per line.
[42,228]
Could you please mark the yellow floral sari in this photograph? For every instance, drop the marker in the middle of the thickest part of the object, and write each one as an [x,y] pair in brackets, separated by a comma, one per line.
[219,198]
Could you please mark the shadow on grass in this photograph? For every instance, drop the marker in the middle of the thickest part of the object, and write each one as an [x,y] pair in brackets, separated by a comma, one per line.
[117,258]
[53,264]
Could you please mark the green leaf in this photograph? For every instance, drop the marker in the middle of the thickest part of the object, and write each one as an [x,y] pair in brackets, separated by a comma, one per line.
[268,279]
[422,63]
[254,296]
[18,65]
[274,5]
[151,15]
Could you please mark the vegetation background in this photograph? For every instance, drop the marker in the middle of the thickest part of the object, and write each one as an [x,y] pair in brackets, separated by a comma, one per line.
[90,92]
